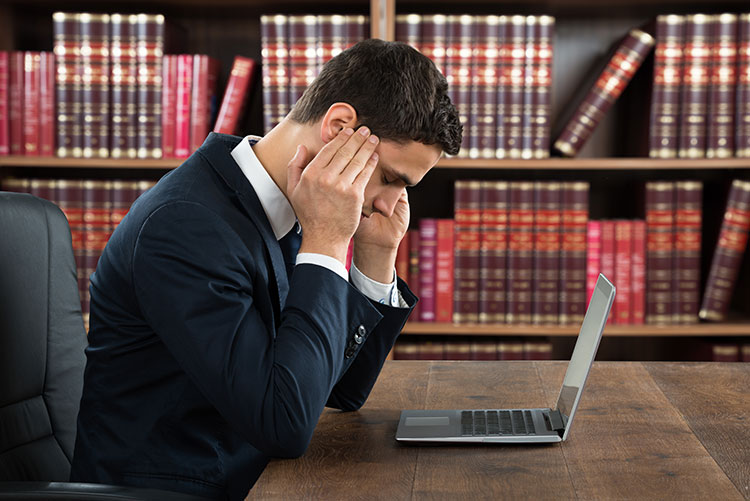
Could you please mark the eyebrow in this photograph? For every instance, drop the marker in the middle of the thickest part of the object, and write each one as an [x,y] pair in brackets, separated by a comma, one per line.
[402,177]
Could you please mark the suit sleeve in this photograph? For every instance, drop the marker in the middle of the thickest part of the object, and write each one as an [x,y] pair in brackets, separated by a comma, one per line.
[195,279]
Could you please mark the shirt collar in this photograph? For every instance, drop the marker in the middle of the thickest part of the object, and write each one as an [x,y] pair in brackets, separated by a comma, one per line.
[276,206]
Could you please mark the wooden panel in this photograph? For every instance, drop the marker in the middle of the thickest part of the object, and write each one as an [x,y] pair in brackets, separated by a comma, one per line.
[628,441]
[713,400]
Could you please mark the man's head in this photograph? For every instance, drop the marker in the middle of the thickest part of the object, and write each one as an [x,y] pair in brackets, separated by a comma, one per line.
[401,96]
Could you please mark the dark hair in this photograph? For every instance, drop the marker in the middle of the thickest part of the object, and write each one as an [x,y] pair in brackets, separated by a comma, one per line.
[397,92]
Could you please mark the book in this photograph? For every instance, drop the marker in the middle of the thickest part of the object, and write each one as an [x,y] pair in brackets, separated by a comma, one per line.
[409,29]
[546,253]
[573,240]
[483,349]
[124,86]
[4,76]
[31,112]
[93,42]
[413,280]
[150,39]
[621,67]
[16,102]
[508,140]
[608,251]
[434,41]
[638,273]
[722,82]
[725,352]
[168,106]
[493,251]
[520,252]
[694,96]
[727,256]
[183,102]
[458,71]
[659,251]
[427,266]
[203,98]
[622,313]
[687,251]
[593,255]
[444,271]
[47,117]
[742,107]
[303,59]
[541,102]
[235,95]
[484,80]
[467,217]
[68,84]
[275,57]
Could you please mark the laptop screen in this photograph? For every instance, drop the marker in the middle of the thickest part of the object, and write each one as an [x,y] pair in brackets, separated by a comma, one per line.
[585,348]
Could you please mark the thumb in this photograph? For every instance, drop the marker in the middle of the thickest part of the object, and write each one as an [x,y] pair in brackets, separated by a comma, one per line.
[295,167]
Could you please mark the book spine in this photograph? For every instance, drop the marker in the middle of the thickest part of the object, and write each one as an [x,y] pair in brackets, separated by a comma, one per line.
[623,272]
[467,216]
[150,40]
[47,105]
[573,241]
[409,29]
[16,104]
[546,253]
[659,251]
[724,352]
[745,353]
[405,349]
[593,256]
[728,253]
[542,87]
[303,62]
[458,71]
[527,110]
[123,86]
[31,84]
[69,197]
[537,350]
[168,105]
[182,106]
[68,84]
[4,84]
[687,251]
[607,262]
[235,95]
[493,251]
[520,252]
[609,85]
[483,349]
[667,83]
[483,88]
[123,195]
[43,188]
[722,87]
[513,87]
[742,143]
[430,350]
[414,270]
[434,42]
[357,29]
[205,74]
[638,273]
[333,37]
[275,53]
[444,271]
[402,257]
[94,55]
[510,349]
[97,206]
[694,99]
[427,265]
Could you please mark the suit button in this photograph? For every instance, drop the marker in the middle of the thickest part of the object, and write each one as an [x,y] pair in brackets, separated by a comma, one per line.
[361,330]
[349,353]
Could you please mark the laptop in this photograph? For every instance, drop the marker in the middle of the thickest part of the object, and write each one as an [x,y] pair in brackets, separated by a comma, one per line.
[520,425]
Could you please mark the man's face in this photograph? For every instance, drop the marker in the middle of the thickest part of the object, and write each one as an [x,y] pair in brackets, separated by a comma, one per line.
[400,165]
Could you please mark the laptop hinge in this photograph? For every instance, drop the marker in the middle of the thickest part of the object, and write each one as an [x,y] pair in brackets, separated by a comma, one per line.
[556,420]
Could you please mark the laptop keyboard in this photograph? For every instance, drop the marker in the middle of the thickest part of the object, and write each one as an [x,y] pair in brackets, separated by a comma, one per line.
[497,422]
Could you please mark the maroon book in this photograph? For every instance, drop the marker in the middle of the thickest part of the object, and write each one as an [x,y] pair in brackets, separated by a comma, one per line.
[4,77]
[47,117]
[124,193]
[93,31]
[638,273]
[405,349]
[429,349]
[484,81]
[303,60]
[510,349]
[123,86]
[541,102]
[150,40]
[687,251]
[235,95]
[427,268]
[659,251]
[183,93]
[573,240]
[622,309]
[722,80]
[434,42]
[483,349]
[467,216]
[444,271]
[493,252]
[168,105]
[275,57]
[97,227]
[458,71]
[546,253]
[69,197]
[511,87]
[529,98]
[413,280]
[31,84]
[332,37]
[742,144]
[68,84]
[16,102]
[205,75]
[667,84]
[520,252]
[409,29]
[725,352]
[728,253]
[695,85]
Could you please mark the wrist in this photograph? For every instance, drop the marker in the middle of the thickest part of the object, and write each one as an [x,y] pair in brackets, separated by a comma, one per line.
[376,263]
[336,250]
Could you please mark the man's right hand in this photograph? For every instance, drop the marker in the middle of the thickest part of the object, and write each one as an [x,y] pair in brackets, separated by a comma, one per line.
[327,193]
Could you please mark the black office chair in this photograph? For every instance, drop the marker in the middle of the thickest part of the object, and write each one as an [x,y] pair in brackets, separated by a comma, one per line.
[42,339]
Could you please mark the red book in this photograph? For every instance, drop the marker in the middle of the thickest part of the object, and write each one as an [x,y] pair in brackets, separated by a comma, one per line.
[31,75]
[235,95]
[68,83]
[458,71]
[722,79]
[520,252]
[607,263]
[275,57]
[727,257]
[593,256]
[414,270]
[16,103]
[467,215]
[205,74]
[4,77]
[47,105]
[687,251]
[665,94]
[623,272]
[150,40]
[182,105]
[444,271]
[511,87]
[168,105]
[546,253]
[621,67]
[742,144]
[124,86]
[659,251]
[427,268]
[402,258]
[573,241]
[638,273]
[93,31]
[493,252]
[695,84]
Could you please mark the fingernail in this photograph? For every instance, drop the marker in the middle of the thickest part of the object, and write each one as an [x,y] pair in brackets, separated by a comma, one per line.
[374,157]
[364,131]
[374,139]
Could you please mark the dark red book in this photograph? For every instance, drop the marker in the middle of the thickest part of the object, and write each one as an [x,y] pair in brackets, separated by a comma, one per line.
[458,71]
[458,349]
[745,353]
[722,86]
[623,272]
[520,252]
[409,29]
[235,95]
[16,103]
[573,240]
[413,280]
[659,251]
[638,273]
[124,193]
[728,253]
[168,105]
[467,216]
[484,81]
[275,57]
[150,40]
[546,253]
[429,349]
[205,75]
[667,84]
[593,256]
[93,41]
[695,85]
[4,84]
[43,188]
[510,349]
[434,42]
[483,349]
[124,86]
[427,268]
[97,207]
[405,349]
[68,84]
[493,252]
[402,258]
[511,87]
[537,350]
[31,75]
[725,352]
[182,105]
[608,250]
[687,251]
[530,45]
[332,36]
[620,68]
[742,144]
[69,197]
[303,59]
[47,117]
[544,34]
[444,271]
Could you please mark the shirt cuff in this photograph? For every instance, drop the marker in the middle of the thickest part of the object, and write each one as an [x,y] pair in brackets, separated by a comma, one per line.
[328,262]
[377,291]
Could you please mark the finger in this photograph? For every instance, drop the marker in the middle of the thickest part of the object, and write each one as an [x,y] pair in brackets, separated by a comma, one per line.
[364,175]
[295,167]
[359,162]
[332,147]
[349,151]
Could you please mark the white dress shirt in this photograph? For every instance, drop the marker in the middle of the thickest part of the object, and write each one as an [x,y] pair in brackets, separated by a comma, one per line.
[280,214]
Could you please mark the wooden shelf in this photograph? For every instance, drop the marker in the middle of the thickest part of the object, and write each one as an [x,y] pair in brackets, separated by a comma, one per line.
[89,163]
[705,330]
[632,163]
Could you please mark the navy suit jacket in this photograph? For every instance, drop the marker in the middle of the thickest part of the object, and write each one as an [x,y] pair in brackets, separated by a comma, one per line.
[204,360]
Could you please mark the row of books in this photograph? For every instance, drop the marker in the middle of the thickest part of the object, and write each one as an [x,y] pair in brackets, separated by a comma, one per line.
[499,73]
[293,48]
[700,101]
[730,352]
[472,348]
[94,208]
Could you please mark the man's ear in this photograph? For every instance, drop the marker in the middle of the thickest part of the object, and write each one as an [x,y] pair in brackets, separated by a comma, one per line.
[338,116]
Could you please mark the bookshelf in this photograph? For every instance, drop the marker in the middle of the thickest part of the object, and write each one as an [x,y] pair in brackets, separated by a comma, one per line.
[614,156]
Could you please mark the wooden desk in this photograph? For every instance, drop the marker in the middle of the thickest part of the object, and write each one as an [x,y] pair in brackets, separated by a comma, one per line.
[643,431]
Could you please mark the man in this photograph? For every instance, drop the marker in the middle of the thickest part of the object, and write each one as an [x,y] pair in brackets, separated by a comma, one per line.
[207,355]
